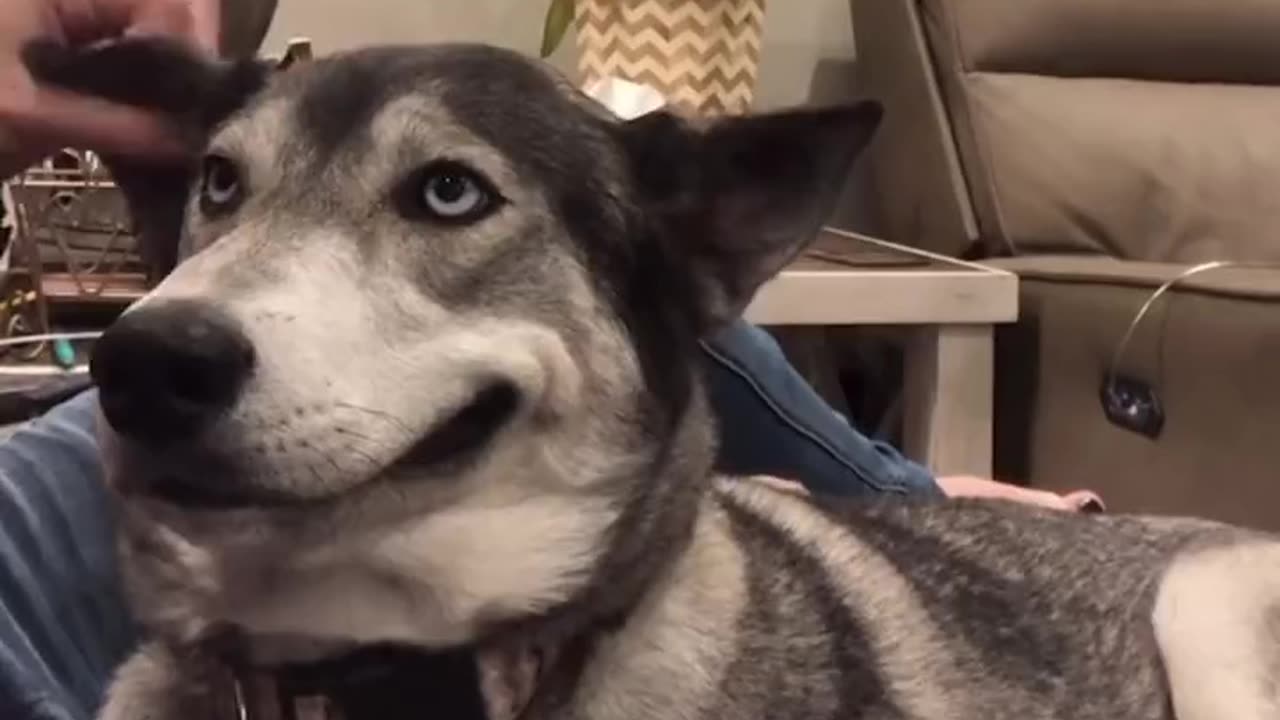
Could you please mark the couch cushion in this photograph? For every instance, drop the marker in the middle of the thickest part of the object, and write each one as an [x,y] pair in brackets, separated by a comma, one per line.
[1176,40]
[1164,172]
[1080,128]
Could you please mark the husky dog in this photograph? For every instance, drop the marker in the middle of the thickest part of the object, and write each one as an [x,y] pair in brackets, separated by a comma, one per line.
[425,381]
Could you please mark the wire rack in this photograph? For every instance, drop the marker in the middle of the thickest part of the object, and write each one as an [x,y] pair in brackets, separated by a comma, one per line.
[71,242]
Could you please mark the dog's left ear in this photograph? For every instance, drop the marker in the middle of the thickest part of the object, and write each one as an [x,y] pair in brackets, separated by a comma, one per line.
[165,76]
[739,199]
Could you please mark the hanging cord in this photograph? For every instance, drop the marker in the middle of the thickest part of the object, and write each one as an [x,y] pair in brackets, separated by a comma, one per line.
[1168,285]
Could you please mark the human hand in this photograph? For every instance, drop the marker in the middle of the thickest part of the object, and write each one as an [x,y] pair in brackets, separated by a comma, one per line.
[968,486]
[956,486]
[36,120]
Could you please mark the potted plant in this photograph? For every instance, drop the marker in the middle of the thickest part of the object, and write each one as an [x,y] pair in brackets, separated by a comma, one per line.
[702,55]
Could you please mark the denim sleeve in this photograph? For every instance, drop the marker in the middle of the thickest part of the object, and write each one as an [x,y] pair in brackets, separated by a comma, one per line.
[772,422]
[63,623]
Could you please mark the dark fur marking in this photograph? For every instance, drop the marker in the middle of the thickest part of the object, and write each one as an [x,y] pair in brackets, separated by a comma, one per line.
[996,617]
[847,660]
[340,100]
[1012,611]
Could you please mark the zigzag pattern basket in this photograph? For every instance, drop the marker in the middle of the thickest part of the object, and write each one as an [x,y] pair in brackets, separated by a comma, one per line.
[702,55]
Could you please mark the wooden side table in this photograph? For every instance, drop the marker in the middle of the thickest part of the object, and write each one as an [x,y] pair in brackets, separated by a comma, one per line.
[953,308]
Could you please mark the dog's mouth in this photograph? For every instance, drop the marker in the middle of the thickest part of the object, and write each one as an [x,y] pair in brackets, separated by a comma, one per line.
[452,441]
[467,430]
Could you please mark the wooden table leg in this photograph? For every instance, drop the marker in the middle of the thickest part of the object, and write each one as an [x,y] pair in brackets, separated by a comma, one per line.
[949,399]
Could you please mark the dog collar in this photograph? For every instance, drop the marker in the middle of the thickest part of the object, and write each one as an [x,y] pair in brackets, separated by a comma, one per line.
[256,695]
[368,684]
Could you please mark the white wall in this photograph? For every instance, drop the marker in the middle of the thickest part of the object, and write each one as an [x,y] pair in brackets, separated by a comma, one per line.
[801,36]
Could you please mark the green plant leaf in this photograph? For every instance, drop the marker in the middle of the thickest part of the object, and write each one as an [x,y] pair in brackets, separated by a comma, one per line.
[559,17]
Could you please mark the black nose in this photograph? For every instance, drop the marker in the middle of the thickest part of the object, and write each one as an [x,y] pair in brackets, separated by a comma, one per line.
[168,370]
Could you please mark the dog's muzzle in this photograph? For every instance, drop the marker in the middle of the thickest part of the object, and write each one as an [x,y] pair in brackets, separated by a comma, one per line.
[168,370]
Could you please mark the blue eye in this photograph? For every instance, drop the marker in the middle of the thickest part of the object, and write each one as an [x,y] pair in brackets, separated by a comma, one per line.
[220,185]
[451,192]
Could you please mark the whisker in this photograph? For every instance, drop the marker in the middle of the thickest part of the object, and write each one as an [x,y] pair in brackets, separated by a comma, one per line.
[342,468]
[355,448]
[381,414]
[373,464]
[357,435]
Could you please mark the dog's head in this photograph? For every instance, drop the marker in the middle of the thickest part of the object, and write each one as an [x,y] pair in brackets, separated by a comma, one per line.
[429,363]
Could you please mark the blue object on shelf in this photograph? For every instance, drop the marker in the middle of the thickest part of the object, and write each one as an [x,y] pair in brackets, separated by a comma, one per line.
[64,353]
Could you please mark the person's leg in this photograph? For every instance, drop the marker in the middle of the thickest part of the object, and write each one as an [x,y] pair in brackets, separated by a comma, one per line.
[63,623]
[773,423]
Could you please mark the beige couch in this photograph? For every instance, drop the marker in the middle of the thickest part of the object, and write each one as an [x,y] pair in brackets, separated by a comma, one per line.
[1101,149]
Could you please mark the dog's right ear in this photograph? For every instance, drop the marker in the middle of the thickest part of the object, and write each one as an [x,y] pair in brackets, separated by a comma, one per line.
[737,199]
[165,76]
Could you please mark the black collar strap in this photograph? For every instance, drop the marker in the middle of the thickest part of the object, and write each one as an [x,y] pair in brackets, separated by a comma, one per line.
[381,683]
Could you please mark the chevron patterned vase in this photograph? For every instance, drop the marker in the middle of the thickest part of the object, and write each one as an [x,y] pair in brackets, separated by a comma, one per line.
[702,55]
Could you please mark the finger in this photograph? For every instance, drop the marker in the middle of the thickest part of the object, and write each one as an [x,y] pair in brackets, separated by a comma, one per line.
[59,118]
[207,17]
[1085,501]
[169,18]
[1040,498]
[79,21]
[783,484]
[1053,501]
[975,487]
[194,21]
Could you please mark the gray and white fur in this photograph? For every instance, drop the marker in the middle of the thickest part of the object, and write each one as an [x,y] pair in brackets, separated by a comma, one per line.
[486,429]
